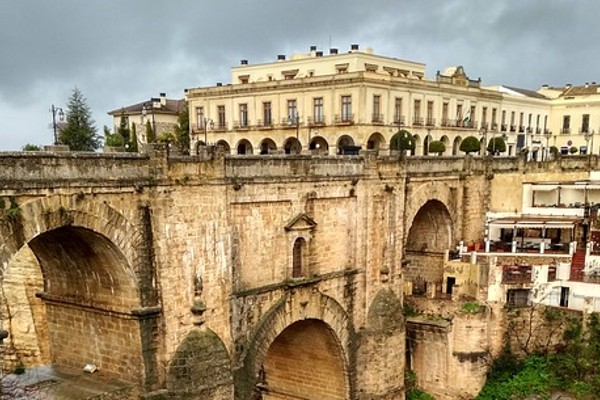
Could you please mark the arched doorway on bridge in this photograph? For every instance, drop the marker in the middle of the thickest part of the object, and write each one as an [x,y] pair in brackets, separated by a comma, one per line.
[429,237]
[319,146]
[304,362]
[376,141]
[76,293]
[456,145]
[345,145]
[223,145]
[244,147]
[267,146]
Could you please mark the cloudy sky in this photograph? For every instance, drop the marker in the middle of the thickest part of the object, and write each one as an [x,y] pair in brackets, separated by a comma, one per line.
[120,52]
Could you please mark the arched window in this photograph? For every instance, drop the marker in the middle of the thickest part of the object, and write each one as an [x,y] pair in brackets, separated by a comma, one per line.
[298,258]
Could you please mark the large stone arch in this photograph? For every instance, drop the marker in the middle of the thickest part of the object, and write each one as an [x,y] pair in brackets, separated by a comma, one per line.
[90,256]
[200,368]
[301,304]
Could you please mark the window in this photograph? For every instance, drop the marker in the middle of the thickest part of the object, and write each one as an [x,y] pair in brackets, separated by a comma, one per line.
[529,121]
[292,111]
[521,122]
[377,108]
[430,119]
[503,117]
[585,123]
[566,127]
[298,258]
[318,110]
[267,114]
[537,123]
[513,127]
[243,115]
[494,117]
[221,117]
[459,111]
[398,111]
[518,297]
[200,117]
[417,120]
[483,116]
[445,108]
[346,108]
[545,123]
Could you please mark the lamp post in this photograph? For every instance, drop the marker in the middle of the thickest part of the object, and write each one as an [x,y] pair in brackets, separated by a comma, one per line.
[206,122]
[587,136]
[61,117]
[547,134]
[483,133]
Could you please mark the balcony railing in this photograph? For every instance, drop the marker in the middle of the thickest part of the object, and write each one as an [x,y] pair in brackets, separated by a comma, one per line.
[447,122]
[220,126]
[260,124]
[515,274]
[399,120]
[513,128]
[344,119]
[504,128]
[319,120]
[377,118]
[521,128]
[417,121]
[430,121]
[565,131]
[241,125]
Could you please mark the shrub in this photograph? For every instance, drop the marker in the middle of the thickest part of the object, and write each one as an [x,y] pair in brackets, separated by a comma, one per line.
[437,147]
[470,144]
[496,145]
[402,140]
[573,150]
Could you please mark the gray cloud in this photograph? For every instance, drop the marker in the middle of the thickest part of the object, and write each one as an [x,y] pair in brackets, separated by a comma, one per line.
[120,52]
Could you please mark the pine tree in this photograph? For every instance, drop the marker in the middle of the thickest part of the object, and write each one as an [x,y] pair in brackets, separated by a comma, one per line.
[133,145]
[124,127]
[79,132]
[182,130]
[150,137]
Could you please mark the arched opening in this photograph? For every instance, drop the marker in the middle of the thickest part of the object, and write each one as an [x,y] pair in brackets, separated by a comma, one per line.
[299,253]
[244,147]
[418,146]
[345,145]
[319,146]
[292,146]
[429,236]
[304,362]
[446,142]
[200,146]
[223,145]
[426,145]
[84,311]
[267,146]
[456,145]
[376,141]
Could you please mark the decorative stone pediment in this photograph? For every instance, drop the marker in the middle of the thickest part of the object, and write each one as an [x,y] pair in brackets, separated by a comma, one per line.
[301,222]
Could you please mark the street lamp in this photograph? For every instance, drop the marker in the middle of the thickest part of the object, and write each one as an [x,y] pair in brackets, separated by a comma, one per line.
[483,133]
[206,122]
[61,117]
[587,136]
[548,135]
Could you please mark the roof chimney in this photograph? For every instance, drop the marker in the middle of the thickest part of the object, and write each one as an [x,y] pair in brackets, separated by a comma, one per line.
[243,62]
[163,99]
[333,51]
[281,57]
[354,47]
[219,84]
[319,54]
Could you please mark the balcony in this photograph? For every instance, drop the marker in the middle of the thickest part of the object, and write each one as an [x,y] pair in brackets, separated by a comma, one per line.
[430,121]
[344,119]
[584,130]
[319,120]
[220,126]
[260,124]
[565,131]
[504,128]
[241,125]
[494,127]
[417,121]
[516,274]
[446,122]
[289,123]
[377,119]
[399,120]
[513,128]
[521,129]
[538,130]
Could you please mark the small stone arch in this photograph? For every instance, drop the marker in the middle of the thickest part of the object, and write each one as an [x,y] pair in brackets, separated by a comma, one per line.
[418,147]
[444,139]
[426,143]
[299,257]
[267,146]
[319,146]
[200,368]
[456,145]
[299,305]
[292,146]
[224,146]
[344,143]
[376,141]
[244,147]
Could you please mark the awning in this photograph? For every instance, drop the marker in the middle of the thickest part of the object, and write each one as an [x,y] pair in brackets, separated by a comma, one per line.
[544,188]
[535,222]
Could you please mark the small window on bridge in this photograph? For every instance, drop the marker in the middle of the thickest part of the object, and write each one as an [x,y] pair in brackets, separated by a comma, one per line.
[518,297]
[298,258]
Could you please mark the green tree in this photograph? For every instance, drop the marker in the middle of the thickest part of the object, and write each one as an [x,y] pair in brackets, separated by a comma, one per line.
[123,129]
[79,132]
[150,137]
[496,145]
[573,150]
[437,146]
[402,140]
[133,144]
[182,130]
[470,144]
[31,147]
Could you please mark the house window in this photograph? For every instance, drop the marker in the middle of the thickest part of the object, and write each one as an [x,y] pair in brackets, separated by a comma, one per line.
[566,127]
[221,117]
[503,117]
[483,116]
[292,111]
[243,115]
[430,119]
[494,115]
[298,256]
[267,114]
[200,117]
[521,122]
[518,297]
[346,108]
[445,108]
[376,108]
[318,110]
[512,121]
[398,110]
[585,123]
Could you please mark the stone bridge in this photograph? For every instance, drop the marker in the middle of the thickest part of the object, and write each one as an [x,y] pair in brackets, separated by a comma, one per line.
[215,277]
